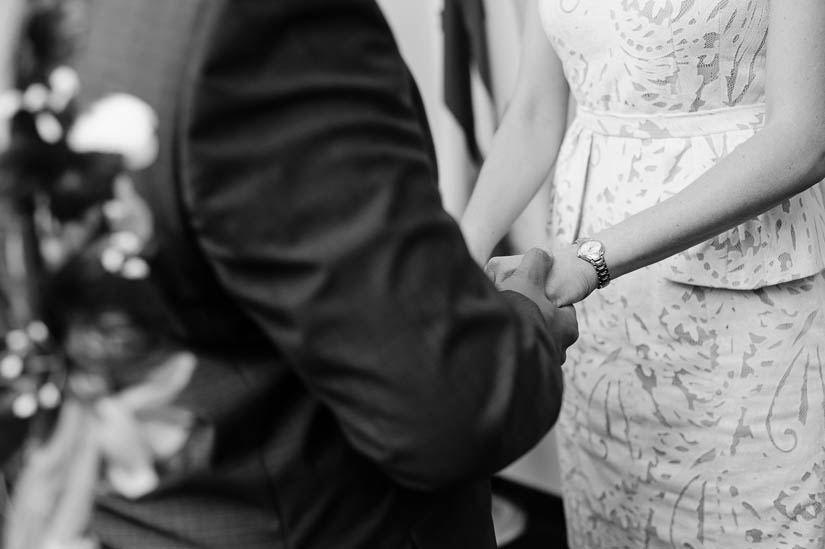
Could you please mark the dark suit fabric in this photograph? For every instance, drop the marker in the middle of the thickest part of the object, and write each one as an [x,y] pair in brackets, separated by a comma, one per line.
[359,377]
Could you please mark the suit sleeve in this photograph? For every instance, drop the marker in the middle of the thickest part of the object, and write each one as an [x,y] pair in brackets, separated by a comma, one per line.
[311,191]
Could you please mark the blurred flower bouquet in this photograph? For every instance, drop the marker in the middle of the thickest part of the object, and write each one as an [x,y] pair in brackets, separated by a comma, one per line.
[77,301]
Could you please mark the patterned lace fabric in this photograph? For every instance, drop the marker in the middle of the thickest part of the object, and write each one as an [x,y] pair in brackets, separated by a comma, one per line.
[694,411]
[665,88]
[660,56]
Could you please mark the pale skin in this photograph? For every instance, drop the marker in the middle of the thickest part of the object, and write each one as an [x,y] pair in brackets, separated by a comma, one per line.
[784,158]
[11,15]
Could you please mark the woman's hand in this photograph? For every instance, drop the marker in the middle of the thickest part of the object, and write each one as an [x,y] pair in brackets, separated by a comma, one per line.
[502,267]
[571,279]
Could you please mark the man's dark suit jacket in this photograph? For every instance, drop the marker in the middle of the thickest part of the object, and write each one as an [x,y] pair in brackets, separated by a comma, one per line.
[360,379]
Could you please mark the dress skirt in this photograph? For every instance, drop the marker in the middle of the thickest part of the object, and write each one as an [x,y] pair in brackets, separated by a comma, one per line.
[694,412]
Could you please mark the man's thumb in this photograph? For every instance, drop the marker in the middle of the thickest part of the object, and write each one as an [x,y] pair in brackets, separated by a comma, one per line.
[536,265]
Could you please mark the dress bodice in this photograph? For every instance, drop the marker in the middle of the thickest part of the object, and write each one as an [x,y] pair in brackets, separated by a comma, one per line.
[660,56]
[665,88]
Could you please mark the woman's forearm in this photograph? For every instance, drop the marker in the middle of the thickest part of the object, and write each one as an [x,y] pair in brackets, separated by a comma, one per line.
[778,162]
[525,146]
[521,157]
[781,160]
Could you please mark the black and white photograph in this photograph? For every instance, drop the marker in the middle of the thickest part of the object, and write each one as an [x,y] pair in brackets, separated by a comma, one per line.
[412,274]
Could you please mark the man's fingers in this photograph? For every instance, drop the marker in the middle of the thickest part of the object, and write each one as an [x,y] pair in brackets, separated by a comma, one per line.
[570,325]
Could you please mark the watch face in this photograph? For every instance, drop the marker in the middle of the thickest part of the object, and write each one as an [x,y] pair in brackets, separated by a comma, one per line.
[591,249]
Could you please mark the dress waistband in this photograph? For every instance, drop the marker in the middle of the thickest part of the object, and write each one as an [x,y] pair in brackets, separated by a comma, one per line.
[676,124]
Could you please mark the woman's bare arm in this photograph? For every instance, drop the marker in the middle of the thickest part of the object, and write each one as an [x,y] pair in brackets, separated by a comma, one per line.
[525,146]
[784,158]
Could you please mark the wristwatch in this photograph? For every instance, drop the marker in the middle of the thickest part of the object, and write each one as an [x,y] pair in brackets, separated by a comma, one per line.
[592,251]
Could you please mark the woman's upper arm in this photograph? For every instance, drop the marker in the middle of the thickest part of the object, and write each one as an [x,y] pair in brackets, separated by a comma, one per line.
[795,85]
[541,91]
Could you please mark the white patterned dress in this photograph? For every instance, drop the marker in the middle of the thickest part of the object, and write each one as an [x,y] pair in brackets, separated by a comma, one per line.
[694,411]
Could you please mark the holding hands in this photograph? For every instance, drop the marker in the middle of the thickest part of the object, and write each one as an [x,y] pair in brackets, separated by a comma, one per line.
[530,274]
[568,279]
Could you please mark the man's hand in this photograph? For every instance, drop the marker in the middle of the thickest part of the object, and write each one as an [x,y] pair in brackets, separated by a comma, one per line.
[528,276]
[571,280]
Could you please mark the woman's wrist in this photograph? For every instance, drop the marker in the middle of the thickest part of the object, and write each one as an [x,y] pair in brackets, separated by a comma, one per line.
[477,241]
[479,253]
[586,270]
